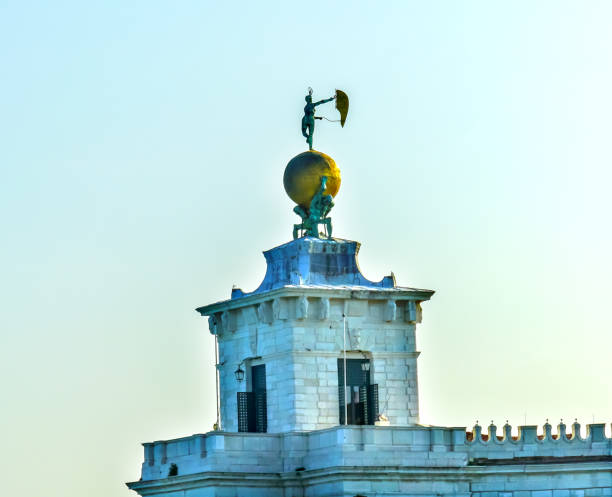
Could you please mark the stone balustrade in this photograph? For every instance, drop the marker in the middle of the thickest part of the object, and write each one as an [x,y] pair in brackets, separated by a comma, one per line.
[417,446]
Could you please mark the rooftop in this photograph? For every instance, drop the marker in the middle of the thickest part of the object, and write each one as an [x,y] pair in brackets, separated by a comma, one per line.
[315,264]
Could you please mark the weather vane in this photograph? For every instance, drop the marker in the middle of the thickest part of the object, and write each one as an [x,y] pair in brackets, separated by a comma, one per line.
[308,121]
[312,178]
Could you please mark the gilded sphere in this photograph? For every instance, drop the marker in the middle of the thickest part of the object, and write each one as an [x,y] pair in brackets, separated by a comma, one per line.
[303,175]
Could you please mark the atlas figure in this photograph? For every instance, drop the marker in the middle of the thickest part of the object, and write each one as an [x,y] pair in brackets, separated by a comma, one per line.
[320,205]
[308,121]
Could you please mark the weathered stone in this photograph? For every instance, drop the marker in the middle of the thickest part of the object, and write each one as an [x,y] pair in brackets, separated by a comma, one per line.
[294,324]
[324,308]
[301,310]
[392,461]
[390,310]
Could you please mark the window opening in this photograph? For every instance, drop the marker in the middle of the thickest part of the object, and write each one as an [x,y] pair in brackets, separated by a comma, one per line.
[252,406]
[360,396]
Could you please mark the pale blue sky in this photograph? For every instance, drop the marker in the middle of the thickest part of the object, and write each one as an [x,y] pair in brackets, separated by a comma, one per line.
[143,147]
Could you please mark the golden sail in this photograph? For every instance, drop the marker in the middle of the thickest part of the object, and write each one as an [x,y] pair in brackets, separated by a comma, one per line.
[342,104]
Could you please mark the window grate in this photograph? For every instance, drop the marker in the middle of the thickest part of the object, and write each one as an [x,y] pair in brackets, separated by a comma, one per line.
[372,404]
[261,414]
[243,411]
[341,396]
[252,406]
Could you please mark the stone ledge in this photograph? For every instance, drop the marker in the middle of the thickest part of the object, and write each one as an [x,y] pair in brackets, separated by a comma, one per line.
[409,446]
[385,481]
[483,461]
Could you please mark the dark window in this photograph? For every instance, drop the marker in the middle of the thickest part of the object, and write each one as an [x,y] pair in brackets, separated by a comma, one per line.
[252,406]
[259,393]
[360,397]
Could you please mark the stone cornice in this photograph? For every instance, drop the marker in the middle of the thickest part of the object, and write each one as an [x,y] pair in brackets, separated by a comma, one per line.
[457,473]
[336,353]
[346,293]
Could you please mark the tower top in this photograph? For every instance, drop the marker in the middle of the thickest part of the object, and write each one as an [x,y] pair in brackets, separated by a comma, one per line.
[313,264]
[312,178]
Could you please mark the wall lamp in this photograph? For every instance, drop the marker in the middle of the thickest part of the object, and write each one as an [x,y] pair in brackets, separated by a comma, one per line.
[365,366]
[239,373]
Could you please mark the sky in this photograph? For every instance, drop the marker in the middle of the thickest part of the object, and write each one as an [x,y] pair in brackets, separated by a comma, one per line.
[142,151]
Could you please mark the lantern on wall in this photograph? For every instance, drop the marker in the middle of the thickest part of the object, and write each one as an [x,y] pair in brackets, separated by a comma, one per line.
[239,373]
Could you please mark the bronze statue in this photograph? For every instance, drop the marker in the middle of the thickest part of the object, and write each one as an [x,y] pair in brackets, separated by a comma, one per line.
[320,206]
[308,121]
[312,178]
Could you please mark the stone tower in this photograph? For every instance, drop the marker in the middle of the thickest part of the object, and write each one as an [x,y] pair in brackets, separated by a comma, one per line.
[317,389]
[282,348]
[317,372]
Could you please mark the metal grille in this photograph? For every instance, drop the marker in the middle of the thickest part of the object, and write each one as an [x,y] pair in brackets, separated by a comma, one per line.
[372,404]
[261,412]
[341,399]
[363,402]
[252,406]
[243,411]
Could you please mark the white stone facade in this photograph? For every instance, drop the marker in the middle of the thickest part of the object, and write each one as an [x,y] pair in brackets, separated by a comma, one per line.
[313,307]
[381,461]
[299,335]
